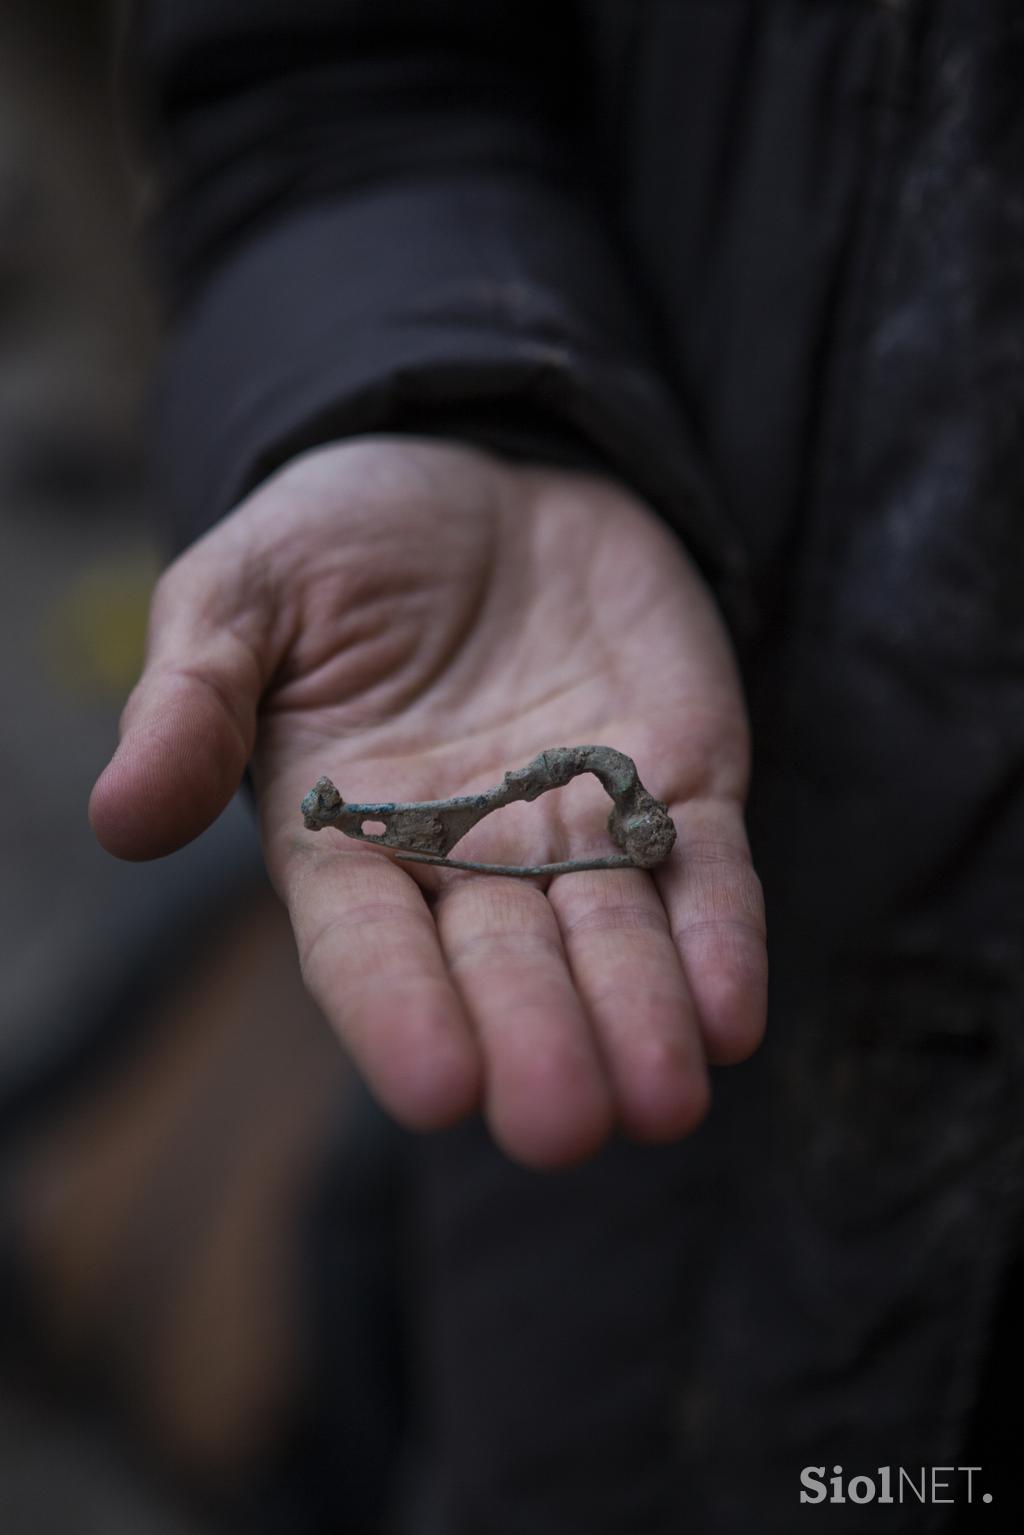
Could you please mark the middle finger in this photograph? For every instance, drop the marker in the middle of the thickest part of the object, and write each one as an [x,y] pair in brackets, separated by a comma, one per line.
[628,972]
[547,1097]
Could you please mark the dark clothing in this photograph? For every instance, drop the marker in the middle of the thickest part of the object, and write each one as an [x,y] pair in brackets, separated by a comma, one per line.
[762,260]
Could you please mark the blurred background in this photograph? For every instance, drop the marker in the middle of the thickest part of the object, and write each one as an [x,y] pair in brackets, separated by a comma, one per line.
[171,1106]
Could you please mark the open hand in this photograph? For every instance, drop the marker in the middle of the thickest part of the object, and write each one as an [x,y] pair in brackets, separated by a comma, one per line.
[412,619]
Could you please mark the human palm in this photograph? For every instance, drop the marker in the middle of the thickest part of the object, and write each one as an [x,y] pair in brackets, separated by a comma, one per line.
[413,619]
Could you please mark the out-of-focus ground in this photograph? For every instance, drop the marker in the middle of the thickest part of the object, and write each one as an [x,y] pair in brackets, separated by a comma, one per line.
[167,1095]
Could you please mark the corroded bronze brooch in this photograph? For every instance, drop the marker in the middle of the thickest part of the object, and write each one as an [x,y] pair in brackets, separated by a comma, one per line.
[424,831]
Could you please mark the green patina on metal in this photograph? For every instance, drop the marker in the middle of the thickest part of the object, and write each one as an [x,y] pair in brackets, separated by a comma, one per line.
[424,831]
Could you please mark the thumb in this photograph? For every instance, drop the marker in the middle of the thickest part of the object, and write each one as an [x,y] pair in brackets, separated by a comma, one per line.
[189,726]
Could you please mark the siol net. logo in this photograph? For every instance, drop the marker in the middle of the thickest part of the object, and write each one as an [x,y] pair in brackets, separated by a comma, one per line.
[893,1484]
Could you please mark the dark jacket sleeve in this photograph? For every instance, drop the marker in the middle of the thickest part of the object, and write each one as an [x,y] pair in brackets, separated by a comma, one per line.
[379,215]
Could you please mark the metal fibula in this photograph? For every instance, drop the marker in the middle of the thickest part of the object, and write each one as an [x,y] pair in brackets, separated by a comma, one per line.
[424,831]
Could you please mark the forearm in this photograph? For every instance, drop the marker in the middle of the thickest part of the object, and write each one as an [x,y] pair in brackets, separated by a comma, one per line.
[372,225]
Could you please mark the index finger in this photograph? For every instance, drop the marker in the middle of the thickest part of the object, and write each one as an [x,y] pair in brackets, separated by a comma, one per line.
[370,956]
